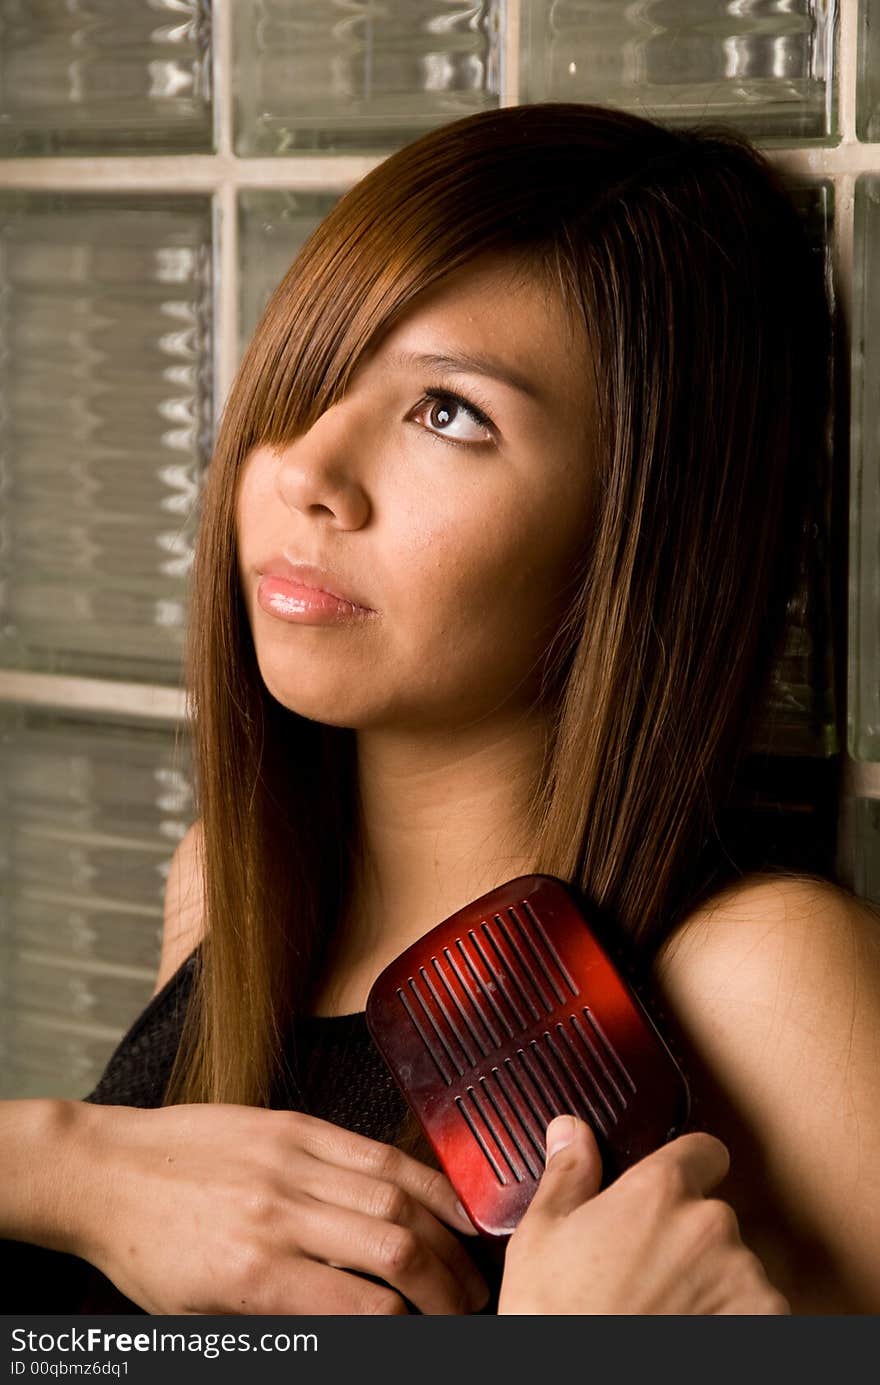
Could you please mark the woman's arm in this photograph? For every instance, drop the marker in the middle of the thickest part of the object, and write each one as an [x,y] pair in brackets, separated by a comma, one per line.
[184,909]
[272,1210]
[774,990]
[40,1200]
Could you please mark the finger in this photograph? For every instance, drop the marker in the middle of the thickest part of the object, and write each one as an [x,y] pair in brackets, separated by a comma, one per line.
[775,1304]
[701,1158]
[573,1172]
[346,1149]
[769,1303]
[387,1201]
[752,1291]
[394,1252]
[311,1287]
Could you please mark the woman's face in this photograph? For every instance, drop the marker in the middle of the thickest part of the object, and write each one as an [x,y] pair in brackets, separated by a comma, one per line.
[454,519]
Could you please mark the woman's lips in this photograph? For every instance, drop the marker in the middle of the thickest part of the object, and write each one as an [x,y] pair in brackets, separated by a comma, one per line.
[292,601]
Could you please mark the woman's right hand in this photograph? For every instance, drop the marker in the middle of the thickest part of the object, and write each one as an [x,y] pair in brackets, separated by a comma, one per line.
[222,1209]
[652,1242]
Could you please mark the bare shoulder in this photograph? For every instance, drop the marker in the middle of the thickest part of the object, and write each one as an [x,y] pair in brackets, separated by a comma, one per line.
[184,905]
[773,989]
[763,922]
[777,965]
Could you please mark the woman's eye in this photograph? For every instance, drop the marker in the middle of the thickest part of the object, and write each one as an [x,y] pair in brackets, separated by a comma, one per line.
[444,414]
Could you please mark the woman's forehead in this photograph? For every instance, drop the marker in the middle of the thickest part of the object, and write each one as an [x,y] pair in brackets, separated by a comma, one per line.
[492,318]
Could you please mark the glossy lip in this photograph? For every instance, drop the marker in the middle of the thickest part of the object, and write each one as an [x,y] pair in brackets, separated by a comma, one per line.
[316,578]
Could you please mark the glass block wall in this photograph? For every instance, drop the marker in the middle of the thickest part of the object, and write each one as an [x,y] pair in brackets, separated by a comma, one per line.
[161,161]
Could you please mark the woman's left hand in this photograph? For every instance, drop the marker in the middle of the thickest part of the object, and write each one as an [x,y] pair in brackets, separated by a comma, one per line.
[652,1242]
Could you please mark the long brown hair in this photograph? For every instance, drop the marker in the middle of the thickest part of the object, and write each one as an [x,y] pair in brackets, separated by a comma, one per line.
[683,259]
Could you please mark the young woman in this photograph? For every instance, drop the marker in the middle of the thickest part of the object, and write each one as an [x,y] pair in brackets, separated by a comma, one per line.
[538,402]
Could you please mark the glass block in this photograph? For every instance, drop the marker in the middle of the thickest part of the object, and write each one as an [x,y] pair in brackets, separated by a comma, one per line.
[768,69]
[868,72]
[91,811]
[866,881]
[359,76]
[272,226]
[799,716]
[105,77]
[42,1057]
[106,425]
[864,538]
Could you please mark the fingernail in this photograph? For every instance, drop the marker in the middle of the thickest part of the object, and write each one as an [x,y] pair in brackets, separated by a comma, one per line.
[560,1132]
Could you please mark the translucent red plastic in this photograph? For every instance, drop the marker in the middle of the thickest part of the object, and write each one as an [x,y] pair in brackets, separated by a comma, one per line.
[506,1014]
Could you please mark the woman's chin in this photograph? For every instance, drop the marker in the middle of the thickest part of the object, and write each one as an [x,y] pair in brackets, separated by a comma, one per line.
[329,705]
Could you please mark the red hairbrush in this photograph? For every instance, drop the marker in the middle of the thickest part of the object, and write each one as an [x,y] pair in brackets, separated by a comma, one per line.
[509,1013]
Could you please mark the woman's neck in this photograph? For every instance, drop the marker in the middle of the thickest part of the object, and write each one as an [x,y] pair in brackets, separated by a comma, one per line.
[441,824]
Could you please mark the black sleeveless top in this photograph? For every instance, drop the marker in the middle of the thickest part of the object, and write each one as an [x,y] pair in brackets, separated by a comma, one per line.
[332,1070]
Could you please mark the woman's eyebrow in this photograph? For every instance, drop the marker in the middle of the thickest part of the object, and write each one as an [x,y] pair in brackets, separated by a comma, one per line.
[468,363]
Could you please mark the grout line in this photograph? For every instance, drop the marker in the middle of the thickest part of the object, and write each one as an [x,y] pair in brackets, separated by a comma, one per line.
[68,1028]
[510,19]
[87,965]
[211,172]
[226,293]
[194,172]
[227,296]
[222,49]
[226,325]
[93,695]
[831,162]
[223,221]
[847,16]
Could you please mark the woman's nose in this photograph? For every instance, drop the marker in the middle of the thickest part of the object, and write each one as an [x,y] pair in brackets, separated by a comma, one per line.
[324,469]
